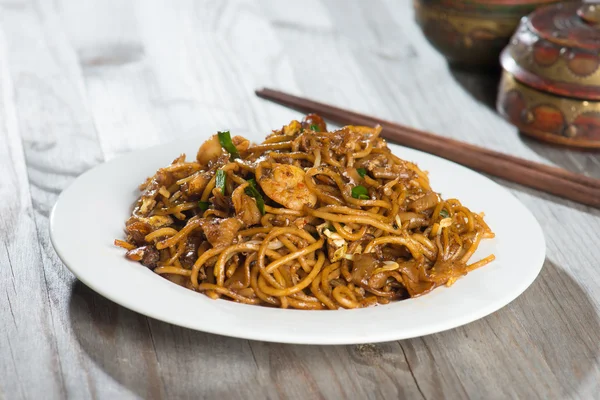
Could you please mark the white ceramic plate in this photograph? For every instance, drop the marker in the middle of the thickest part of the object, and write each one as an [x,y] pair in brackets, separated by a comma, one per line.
[91,213]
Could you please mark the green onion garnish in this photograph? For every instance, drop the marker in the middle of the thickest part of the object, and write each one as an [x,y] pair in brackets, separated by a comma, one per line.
[227,144]
[361,171]
[444,214]
[203,205]
[360,192]
[252,191]
[315,127]
[220,180]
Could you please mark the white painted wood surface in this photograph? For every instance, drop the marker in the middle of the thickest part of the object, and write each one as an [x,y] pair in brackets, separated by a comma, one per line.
[82,81]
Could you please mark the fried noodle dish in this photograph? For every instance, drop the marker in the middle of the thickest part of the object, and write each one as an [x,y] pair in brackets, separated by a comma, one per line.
[307,219]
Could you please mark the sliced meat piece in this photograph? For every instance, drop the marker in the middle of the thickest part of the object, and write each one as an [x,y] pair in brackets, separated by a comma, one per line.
[190,253]
[363,266]
[139,227]
[221,232]
[137,230]
[147,200]
[372,161]
[192,189]
[220,201]
[425,202]
[146,255]
[414,220]
[245,207]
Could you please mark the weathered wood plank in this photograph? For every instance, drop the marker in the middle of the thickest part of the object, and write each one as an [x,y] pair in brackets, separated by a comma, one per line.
[58,142]
[25,304]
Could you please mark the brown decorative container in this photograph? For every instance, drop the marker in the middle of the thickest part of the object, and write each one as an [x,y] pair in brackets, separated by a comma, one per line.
[472,32]
[550,87]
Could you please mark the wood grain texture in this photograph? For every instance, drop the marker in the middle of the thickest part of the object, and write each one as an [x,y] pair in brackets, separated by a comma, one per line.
[83,81]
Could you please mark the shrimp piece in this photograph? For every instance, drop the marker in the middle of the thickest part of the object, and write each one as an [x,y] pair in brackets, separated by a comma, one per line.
[284,184]
[209,151]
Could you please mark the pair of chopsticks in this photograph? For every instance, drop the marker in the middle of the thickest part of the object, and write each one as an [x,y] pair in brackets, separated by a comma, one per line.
[556,181]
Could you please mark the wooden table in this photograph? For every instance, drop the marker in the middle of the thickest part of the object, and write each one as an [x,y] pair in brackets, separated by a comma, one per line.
[84,81]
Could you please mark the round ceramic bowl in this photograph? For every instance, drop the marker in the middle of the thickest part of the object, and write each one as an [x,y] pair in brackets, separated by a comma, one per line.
[556,119]
[471,32]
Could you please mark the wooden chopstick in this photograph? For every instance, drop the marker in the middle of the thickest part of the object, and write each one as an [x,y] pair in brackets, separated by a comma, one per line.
[542,177]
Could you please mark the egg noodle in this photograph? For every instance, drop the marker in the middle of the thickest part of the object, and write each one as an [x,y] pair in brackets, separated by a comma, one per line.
[307,219]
